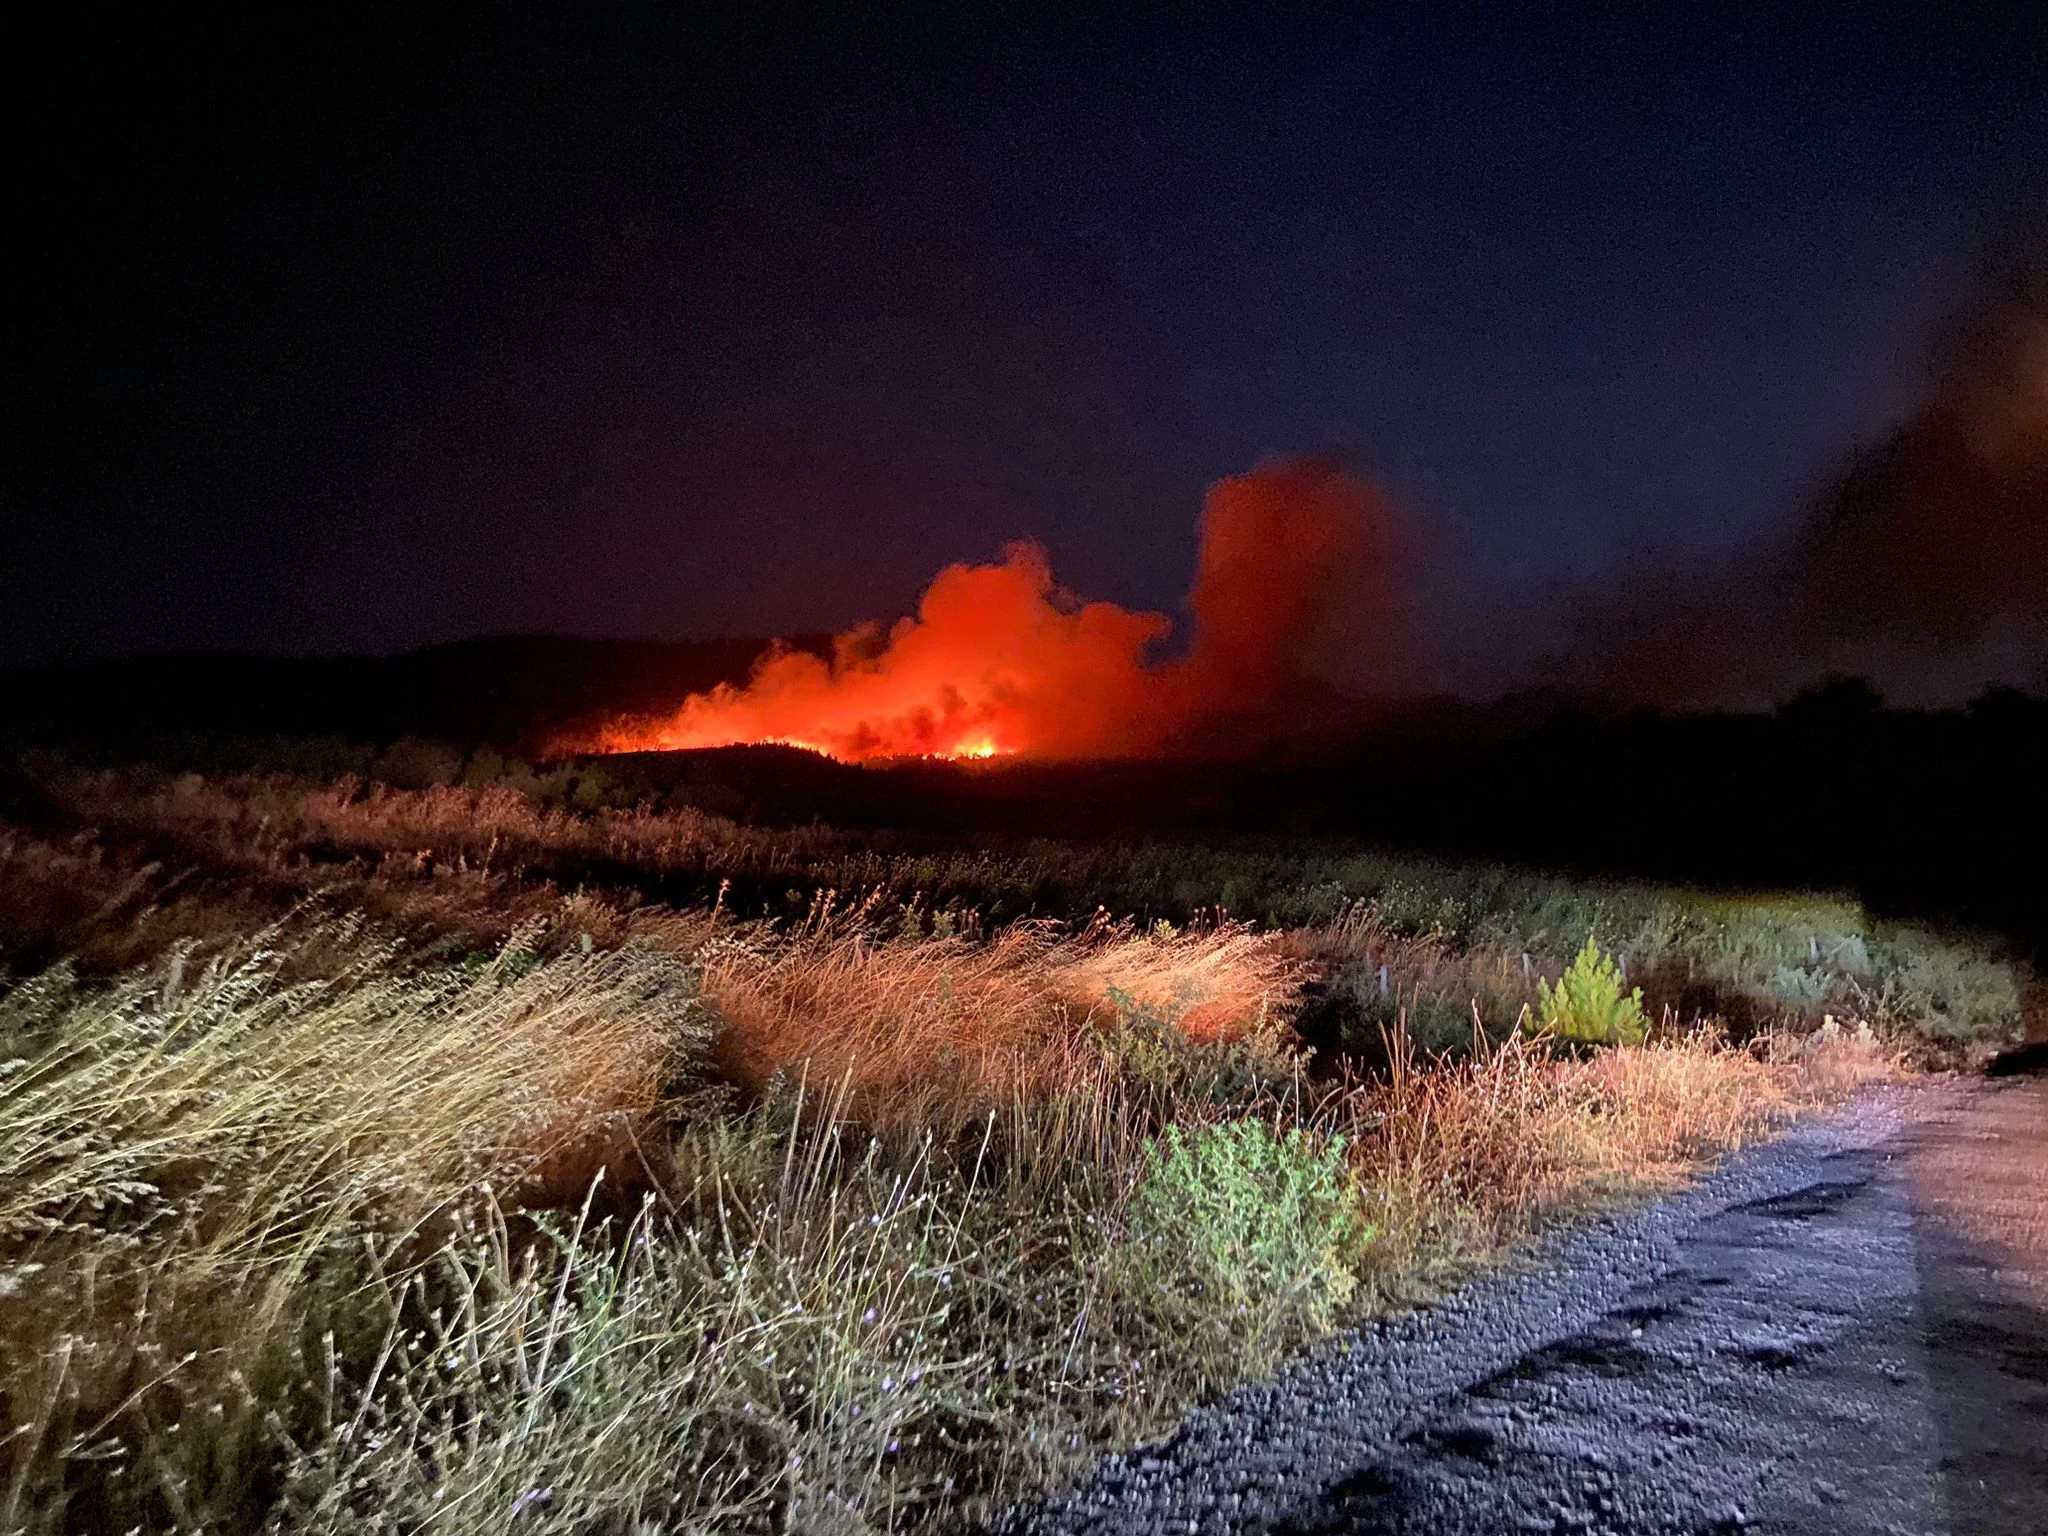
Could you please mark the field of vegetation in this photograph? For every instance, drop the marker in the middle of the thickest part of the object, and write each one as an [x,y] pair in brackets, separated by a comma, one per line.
[495,1157]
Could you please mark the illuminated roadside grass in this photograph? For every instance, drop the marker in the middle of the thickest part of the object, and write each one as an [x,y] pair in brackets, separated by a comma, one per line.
[832,1225]
[223,857]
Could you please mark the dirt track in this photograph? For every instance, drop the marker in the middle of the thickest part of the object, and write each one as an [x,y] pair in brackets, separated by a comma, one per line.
[1846,1331]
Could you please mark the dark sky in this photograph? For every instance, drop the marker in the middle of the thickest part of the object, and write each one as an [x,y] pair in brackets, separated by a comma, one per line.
[348,336]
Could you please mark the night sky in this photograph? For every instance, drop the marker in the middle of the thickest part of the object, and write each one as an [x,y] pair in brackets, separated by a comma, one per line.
[339,336]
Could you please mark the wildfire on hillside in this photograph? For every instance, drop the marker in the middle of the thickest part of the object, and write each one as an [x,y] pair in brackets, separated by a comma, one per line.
[1297,593]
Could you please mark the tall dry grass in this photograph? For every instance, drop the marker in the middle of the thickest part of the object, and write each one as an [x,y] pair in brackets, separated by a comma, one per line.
[195,1148]
[1447,935]
[1468,1159]
[934,1030]
[302,1227]
[261,818]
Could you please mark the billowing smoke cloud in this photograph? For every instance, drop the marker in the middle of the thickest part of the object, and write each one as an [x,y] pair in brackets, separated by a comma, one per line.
[1925,564]
[1298,601]
[1941,531]
[1303,585]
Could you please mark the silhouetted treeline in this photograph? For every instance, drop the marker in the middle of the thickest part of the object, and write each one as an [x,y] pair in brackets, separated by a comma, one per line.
[1939,813]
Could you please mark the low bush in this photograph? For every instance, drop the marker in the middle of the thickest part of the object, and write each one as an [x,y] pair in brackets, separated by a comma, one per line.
[1239,1223]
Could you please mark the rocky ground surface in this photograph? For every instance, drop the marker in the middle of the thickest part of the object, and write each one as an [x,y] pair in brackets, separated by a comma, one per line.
[1844,1331]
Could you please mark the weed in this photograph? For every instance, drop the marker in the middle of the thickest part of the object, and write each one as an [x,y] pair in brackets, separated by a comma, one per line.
[1239,1220]
[1150,1051]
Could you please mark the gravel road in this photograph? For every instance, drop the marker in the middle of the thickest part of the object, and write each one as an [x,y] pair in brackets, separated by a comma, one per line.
[1844,1331]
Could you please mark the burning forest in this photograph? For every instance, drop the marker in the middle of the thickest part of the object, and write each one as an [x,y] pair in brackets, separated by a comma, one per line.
[1297,613]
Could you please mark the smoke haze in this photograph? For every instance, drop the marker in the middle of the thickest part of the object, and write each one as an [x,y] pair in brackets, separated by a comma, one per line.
[1923,564]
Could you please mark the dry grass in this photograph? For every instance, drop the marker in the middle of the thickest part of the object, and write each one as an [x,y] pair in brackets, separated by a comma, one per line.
[261,820]
[1446,936]
[940,1030]
[1469,1159]
[189,1148]
[297,1230]
[365,1083]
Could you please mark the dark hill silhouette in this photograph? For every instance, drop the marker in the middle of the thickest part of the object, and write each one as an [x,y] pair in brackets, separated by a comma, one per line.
[509,692]
[1936,813]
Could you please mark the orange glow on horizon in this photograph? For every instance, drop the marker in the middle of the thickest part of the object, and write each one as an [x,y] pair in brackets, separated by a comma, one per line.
[1297,562]
[963,752]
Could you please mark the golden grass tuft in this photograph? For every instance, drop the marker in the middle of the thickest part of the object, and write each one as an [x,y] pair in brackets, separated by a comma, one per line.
[189,1148]
[943,1029]
[1466,1160]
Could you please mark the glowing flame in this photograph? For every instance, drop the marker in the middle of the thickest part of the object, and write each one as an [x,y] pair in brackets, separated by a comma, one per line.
[998,661]
[991,661]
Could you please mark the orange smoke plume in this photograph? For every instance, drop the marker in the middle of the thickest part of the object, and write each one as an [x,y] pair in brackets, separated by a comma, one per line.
[1297,593]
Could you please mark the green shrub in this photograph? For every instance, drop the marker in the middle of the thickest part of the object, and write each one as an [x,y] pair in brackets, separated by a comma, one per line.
[1848,954]
[1153,1055]
[1949,993]
[1239,1224]
[1798,986]
[1587,1006]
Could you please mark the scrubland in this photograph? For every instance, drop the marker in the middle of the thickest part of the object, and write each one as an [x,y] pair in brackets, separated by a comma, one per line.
[470,1159]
